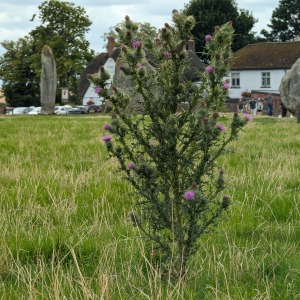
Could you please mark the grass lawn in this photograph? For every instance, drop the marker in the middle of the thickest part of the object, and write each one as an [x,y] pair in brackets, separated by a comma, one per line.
[65,231]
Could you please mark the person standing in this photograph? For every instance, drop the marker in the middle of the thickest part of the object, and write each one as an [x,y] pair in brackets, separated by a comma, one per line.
[269,100]
[252,106]
[259,106]
[240,106]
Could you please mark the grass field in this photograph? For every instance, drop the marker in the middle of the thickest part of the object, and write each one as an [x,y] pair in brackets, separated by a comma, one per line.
[65,231]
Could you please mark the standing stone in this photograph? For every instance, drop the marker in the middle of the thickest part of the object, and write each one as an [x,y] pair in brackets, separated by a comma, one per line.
[290,90]
[48,81]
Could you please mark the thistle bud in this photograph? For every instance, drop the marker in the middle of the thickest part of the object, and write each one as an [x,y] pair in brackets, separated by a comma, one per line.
[124,48]
[225,202]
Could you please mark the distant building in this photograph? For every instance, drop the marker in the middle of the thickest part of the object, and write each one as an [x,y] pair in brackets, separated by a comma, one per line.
[259,68]
[105,59]
[109,60]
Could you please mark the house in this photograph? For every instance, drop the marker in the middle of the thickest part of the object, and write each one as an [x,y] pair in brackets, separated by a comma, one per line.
[109,61]
[105,59]
[259,68]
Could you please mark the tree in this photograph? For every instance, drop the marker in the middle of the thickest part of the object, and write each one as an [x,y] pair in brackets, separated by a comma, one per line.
[63,29]
[285,22]
[144,30]
[20,85]
[211,13]
[169,156]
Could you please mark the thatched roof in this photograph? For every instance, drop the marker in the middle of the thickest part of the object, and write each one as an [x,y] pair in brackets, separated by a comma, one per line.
[93,67]
[266,56]
[195,65]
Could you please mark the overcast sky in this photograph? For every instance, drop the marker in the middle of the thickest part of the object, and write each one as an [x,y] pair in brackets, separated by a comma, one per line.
[15,15]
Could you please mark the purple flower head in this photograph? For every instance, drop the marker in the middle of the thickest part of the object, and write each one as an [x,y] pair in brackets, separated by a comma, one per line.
[209,69]
[131,166]
[222,172]
[189,195]
[208,37]
[151,144]
[226,85]
[97,89]
[106,138]
[139,65]
[106,126]
[136,44]
[247,117]
[167,54]
[220,127]
[225,202]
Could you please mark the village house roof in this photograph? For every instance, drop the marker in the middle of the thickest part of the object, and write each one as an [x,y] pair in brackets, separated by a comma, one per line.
[195,65]
[267,55]
[93,67]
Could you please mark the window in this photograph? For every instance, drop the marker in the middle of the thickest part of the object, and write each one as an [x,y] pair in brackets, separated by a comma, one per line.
[235,79]
[265,79]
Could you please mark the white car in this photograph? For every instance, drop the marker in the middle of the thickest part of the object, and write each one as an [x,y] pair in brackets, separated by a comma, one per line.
[35,111]
[63,110]
[19,111]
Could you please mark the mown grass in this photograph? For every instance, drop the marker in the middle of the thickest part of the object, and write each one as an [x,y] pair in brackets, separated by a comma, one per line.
[65,231]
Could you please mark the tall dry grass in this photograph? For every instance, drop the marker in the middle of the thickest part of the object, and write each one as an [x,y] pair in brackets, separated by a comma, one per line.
[65,231]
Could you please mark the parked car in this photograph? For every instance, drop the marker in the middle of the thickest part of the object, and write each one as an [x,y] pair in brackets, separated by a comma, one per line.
[35,111]
[94,109]
[63,110]
[20,111]
[79,110]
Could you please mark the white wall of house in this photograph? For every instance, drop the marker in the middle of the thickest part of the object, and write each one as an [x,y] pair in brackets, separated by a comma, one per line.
[90,94]
[252,80]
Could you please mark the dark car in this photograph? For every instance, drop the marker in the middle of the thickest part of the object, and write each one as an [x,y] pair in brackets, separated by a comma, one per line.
[94,109]
[79,110]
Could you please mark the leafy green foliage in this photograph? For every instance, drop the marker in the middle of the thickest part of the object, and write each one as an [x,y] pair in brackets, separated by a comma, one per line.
[169,156]
[63,28]
[285,22]
[211,13]
[144,30]
[20,85]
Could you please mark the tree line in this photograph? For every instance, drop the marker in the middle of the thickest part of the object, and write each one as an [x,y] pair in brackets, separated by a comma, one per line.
[63,27]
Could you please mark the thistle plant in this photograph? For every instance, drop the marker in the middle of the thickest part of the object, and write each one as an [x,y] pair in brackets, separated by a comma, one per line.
[170,156]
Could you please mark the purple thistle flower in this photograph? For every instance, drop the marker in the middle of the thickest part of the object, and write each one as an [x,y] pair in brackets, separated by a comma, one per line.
[222,172]
[106,138]
[189,195]
[131,166]
[209,69]
[208,37]
[97,89]
[247,117]
[106,126]
[226,85]
[151,144]
[136,44]
[220,127]
[225,202]
[167,54]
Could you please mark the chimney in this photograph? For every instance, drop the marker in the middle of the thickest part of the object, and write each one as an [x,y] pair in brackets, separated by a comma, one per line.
[111,44]
[191,45]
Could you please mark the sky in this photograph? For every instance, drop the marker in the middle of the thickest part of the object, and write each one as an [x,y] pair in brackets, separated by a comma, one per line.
[15,15]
